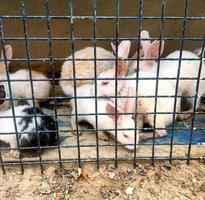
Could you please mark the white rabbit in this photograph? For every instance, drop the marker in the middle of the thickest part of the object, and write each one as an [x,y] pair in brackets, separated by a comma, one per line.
[169,69]
[25,122]
[84,68]
[198,52]
[145,88]
[105,106]
[22,89]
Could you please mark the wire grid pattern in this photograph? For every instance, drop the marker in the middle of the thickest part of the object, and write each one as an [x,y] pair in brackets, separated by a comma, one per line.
[72,38]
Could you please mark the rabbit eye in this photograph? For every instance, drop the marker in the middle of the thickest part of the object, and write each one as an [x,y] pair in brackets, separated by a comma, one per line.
[104,82]
[125,135]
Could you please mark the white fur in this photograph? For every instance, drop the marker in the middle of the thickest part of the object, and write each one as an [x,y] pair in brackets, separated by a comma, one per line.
[22,89]
[198,52]
[84,68]
[7,126]
[145,88]
[87,106]
[169,68]
[146,105]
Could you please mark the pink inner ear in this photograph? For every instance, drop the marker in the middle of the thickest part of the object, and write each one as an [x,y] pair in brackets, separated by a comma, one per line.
[110,110]
[141,54]
[153,51]
[121,68]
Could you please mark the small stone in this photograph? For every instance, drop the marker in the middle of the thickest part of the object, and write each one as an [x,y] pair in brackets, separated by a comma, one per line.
[111,175]
[44,188]
[194,180]
[74,175]
[129,190]
[79,171]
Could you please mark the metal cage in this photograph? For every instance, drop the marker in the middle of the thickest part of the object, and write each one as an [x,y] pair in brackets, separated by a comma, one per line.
[189,129]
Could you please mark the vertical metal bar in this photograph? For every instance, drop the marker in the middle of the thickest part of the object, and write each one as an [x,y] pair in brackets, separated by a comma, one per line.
[22,6]
[74,77]
[53,77]
[95,73]
[2,163]
[141,7]
[10,94]
[195,100]
[157,77]
[178,76]
[117,10]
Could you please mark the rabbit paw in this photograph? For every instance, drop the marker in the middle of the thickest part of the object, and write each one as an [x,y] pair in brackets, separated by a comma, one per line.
[148,136]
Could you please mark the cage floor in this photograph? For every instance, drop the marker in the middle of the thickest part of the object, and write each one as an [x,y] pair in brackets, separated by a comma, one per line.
[106,149]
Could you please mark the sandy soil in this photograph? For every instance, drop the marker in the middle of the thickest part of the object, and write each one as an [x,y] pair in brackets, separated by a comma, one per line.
[164,181]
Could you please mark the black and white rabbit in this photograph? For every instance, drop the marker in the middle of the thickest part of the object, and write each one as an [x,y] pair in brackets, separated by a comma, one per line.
[26,127]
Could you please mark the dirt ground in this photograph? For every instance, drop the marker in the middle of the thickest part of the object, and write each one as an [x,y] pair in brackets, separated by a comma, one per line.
[163,181]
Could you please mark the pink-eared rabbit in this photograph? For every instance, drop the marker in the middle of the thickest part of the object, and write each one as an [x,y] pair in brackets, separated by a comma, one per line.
[22,89]
[107,121]
[169,69]
[165,105]
[25,122]
[85,69]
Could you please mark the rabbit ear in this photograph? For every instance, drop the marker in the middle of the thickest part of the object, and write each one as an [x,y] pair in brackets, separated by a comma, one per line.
[110,110]
[8,52]
[122,68]
[135,56]
[145,43]
[153,51]
[113,48]
[130,103]
[123,48]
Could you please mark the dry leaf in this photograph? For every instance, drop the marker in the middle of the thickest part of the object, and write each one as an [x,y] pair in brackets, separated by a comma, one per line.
[44,188]
[83,174]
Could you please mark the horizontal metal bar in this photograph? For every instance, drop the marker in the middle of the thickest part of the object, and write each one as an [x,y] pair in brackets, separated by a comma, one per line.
[92,79]
[102,17]
[102,160]
[101,38]
[92,59]
[101,97]
[93,114]
[120,113]
[91,145]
